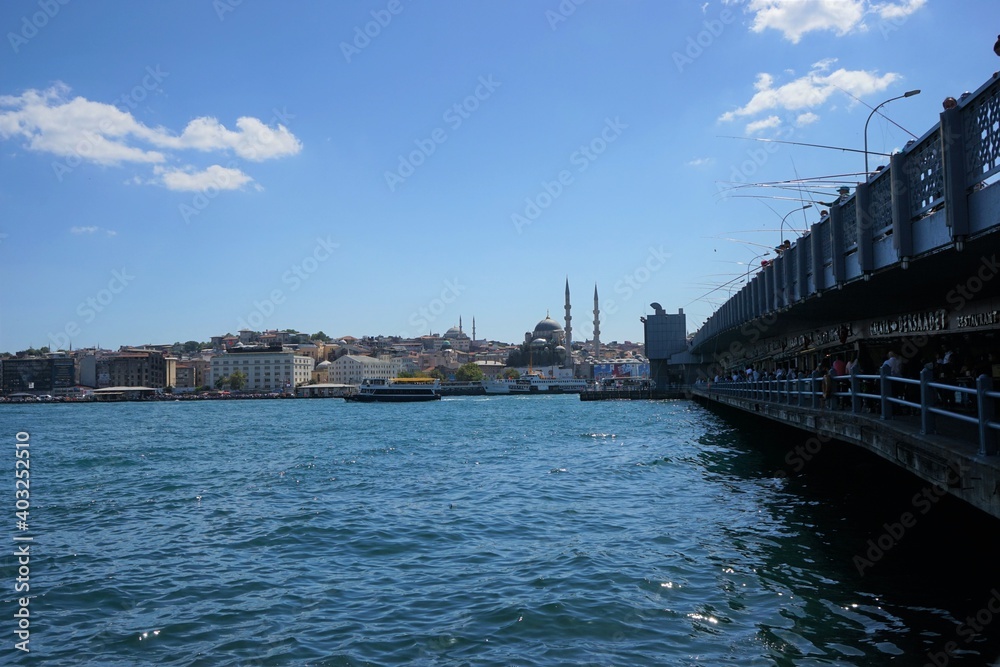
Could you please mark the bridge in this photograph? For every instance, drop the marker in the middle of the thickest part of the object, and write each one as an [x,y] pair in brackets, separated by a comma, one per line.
[905,264]
[945,434]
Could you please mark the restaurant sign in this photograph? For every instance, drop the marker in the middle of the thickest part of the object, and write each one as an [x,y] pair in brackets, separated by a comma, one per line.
[935,320]
[989,318]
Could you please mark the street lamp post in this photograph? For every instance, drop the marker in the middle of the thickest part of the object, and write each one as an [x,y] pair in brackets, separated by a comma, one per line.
[781,231]
[909,93]
[750,263]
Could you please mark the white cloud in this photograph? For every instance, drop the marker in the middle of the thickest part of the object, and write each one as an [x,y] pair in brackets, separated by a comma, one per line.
[892,11]
[92,131]
[807,118]
[810,91]
[795,18]
[701,162]
[216,176]
[91,229]
[254,141]
[763,124]
[82,130]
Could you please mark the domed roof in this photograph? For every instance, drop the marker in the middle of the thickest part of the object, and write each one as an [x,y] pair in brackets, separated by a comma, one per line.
[548,324]
[446,345]
[324,364]
[538,342]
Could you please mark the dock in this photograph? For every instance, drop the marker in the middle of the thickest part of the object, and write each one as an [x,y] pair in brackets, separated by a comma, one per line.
[635,394]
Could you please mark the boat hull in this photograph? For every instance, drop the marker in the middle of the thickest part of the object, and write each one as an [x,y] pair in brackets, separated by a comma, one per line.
[534,387]
[385,398]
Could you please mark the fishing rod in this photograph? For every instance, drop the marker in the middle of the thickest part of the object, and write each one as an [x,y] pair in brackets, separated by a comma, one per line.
[816,180]
[808,201]
[762,245]
[875,109]
[782,187]
[799,143]
[722,286]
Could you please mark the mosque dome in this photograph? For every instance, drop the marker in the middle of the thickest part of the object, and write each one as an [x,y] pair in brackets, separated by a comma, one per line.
[446,345]
[538,342]
[453,332]
[547,325]
[324,364]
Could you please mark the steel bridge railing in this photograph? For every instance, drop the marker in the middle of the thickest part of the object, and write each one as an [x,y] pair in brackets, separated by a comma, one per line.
[856,393]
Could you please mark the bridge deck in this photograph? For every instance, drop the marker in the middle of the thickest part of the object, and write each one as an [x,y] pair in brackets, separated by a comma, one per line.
[948,459]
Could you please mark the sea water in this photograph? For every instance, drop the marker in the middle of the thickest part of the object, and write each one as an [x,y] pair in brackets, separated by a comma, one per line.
[479,531]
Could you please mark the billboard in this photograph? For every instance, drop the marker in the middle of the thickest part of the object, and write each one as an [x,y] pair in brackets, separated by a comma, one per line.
[635,370]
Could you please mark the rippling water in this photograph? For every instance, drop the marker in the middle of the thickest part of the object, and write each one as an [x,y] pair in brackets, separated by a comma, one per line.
[479,531]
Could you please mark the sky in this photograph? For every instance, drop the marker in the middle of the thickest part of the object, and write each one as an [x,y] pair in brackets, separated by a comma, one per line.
[174,171]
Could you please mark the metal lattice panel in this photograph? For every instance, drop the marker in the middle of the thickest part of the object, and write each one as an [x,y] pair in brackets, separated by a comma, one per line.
[849,216]
[824,230]
[924,176]
[982,132]
[881,203]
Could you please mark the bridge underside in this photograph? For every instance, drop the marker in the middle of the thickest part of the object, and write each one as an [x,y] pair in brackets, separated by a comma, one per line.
[947,464]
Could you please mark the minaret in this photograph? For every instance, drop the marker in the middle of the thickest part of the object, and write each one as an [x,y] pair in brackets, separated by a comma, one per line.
[473,327]
[597,326]
[569,330]
[459,324]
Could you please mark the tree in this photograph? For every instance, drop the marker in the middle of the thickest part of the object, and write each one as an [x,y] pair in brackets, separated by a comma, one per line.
[192,346]
[237,380]
[320,336]
[469,372]
[221,382]
[436,373]
[511,374]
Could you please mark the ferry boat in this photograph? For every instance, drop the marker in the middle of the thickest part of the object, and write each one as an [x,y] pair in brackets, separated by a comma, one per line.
[534,383]
[397,390]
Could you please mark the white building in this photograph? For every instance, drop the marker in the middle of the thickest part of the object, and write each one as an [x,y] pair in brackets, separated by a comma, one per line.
[353,369]
[265,370]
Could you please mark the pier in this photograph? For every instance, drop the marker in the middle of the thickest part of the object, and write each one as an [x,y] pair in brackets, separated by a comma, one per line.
[635,393]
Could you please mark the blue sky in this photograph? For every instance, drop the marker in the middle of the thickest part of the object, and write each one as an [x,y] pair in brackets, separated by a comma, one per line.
[173,171]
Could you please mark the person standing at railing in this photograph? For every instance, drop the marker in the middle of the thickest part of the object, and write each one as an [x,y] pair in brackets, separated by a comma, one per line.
[895,366]
[826,385]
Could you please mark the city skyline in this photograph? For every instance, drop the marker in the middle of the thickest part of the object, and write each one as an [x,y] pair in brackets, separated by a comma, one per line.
[386,167]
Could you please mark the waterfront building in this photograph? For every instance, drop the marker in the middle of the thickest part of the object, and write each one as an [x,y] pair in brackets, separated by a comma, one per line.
[491,369]
[665,336]
[87,370]
[51,374]
[321,373]
[266,369]
[171,371]
[192,373]
[355,369]
[134,367]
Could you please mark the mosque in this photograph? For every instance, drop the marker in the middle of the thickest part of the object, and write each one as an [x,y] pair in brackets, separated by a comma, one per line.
[549,340]
[548,332]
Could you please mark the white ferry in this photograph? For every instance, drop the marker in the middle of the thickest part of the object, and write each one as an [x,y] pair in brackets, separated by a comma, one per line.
[397,390]
[534,383]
